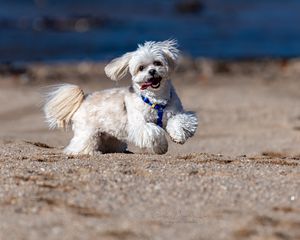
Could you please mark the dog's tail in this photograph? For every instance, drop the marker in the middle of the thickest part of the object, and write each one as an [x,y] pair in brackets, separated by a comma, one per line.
[61,102]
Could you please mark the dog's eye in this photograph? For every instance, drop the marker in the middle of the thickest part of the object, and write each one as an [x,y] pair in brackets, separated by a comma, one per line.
[157,63]
[141,68]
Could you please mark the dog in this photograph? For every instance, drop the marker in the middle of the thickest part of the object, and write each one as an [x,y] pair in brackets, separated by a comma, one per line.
[142,114]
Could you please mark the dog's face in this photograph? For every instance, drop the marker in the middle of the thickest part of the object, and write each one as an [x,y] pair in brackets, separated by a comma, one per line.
[148,69]
[150,65]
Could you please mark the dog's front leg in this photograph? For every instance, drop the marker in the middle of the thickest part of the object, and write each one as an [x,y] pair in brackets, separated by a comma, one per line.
[146,135]
[182,126]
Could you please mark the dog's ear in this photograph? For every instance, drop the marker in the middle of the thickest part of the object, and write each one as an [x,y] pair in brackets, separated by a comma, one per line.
[171,52]
[118,67]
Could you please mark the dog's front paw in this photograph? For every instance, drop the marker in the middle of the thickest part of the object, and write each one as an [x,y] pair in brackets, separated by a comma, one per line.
[160,143]
[156,139]
[182,126]
[150,136]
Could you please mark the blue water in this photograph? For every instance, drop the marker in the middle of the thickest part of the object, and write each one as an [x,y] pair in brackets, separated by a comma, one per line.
[227,29]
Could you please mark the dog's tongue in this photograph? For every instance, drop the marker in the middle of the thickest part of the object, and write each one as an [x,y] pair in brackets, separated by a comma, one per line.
[146,85]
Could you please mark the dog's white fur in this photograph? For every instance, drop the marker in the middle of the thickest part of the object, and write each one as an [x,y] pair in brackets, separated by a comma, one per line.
[106,121]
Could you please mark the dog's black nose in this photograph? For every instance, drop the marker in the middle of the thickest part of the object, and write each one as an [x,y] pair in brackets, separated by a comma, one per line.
[152,72]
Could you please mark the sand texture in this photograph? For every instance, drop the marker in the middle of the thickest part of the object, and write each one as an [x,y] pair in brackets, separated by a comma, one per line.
[238,178]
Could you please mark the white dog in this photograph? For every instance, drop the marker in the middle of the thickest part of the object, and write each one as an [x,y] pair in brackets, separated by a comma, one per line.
[142,114]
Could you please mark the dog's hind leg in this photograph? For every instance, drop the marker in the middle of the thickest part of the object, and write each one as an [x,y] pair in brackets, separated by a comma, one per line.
[83,142]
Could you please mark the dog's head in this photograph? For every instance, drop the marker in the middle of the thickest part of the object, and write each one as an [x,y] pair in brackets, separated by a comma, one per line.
[150,65]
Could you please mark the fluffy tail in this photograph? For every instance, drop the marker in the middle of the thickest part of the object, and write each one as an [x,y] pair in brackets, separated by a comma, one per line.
[62,101]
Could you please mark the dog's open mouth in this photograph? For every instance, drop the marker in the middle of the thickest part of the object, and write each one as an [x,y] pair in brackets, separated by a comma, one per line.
[153,82]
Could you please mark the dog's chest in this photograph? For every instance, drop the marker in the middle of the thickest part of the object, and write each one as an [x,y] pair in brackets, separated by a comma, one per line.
[156,116]
[150,114]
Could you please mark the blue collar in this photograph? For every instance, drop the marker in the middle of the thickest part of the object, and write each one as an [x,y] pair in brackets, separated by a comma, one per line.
[159,107]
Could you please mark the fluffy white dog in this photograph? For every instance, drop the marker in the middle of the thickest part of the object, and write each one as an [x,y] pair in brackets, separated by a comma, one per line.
[142,114]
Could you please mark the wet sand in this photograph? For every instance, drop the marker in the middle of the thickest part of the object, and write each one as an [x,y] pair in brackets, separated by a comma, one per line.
[238,178]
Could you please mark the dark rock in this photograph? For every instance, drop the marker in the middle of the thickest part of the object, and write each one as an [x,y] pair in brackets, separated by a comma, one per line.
[12,69]
[189,6]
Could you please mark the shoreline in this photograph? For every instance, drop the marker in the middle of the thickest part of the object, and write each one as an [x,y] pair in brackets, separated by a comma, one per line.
[42,72]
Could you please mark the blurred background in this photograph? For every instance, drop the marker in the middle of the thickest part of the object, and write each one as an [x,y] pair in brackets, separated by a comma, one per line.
[67,30]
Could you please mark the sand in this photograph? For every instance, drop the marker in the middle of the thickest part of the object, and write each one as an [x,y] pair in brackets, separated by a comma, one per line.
[237,178]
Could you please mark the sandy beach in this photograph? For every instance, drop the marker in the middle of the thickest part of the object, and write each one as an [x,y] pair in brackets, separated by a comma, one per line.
[237,178]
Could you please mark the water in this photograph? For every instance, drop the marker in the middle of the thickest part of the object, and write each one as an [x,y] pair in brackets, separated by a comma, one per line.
[59,30]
